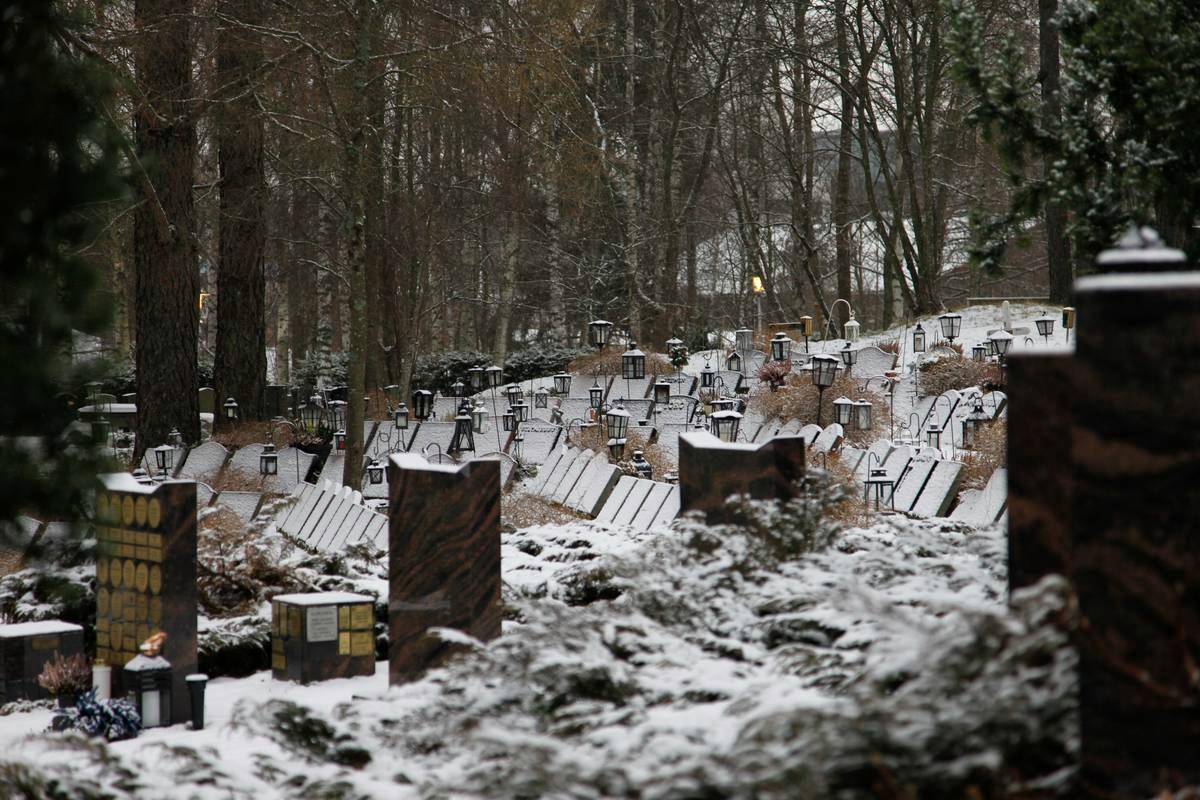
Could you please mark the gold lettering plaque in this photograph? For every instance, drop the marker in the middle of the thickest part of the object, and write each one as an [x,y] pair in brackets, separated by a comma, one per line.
[139,511]
[128,573]
[101,601]
[362,644]
[155,579]
[127,510]
[154,514]
[116,603]
[143,608]
[44,642]
[142,578]
[101,571]
[344,643]
[361,616]
[295,622]
[278,662]
[343,618]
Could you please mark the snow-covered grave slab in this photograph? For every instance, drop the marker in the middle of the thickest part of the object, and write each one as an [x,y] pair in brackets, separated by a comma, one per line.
[616,499]
[669,509]
[809,434]
[969,508]
[538,483]
[598,483]
[995,403]
[332,470]
[940,490]
[879,450]
[506,468]
[668,440]
[581,383]
[204,495]
[652,506]
[871,362]
[995,495]
[913,480]
[330,517]
[570,477]
[633,502]
[942,411]
[440,433]
[731,382]
[851,457]
[561,469]
[897,462]
[647,433]
[829,440]
[204,463]
[676,412]
[292,464]
[244,504]
[540,439]
[591,462]
[623,391]
[681,382]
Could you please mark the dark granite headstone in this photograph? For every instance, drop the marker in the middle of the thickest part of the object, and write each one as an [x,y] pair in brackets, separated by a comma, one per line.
[24,650]
[711,470]
[322,635]
[146,574]
[275,401]
[208,401]
[444,558]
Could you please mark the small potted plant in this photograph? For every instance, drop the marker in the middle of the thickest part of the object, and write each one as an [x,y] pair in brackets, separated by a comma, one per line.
[66,678]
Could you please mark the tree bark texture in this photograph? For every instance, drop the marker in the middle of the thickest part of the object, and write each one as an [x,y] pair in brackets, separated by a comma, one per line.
[1058,244]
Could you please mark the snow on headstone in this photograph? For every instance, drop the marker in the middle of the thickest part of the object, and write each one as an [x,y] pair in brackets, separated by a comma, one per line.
[810,433]
[873,361]
[830,439]
[633,502]
[940,490]
[204,462]
[651,506]
[913,481]
[616,499]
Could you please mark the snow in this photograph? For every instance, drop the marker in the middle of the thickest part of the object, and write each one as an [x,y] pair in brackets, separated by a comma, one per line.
[41,628]
[322,598]
[1139,281]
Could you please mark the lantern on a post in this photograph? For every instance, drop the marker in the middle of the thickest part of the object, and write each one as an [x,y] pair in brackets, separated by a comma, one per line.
[743,339]
[972,423]
[641,466]
[479,417]
[268,460]
[734,362]
[513,393]
[562,384]
[1001,341]
[458,389]
[541,398]
[933,436]
[980,352]
[521,411]
[598,332]
[422,404]
[879,484]
[849,357]
[633,363]
[495,376]
[662,393]
[1045,326]
[339,440]
[509,419]
[951,325]
[231,409]
[707,376]
[101,427]
[475,376]
[851,329]
[463,439]
[806,329]
[862,414]
[375,472]
[148,681]
[842,408]
[617,420]
[400,417]
[725,424]
[164,458]
[312,414]
[1068,320]
[595,395]
[337,414]
[781,347]
[918,339]
[824,369]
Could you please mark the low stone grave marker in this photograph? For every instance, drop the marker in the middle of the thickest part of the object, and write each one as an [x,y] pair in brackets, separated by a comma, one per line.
[913,480]
[208,400]
[711,470]
[25,648]
[317,636]
[444,558]
[940,490]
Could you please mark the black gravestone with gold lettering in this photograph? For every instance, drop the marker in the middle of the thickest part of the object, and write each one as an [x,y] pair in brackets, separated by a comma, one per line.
[321,635]
[146,574]
[24,650]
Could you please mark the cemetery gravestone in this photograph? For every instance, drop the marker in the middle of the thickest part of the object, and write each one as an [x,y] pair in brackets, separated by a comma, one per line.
[711,470]
[444,558]
[275,400]
[208,401]
[24,650]
[146,574]
[317,636]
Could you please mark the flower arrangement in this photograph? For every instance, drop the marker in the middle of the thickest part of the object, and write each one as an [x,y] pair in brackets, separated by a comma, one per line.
[66,676]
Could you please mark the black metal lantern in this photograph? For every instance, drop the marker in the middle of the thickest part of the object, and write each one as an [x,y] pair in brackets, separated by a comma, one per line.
[662,393]
[781,347]
[1045,326]
[509,418]
[879,484]
[337,414]
[972,422]
[595,395]
[618,421]
[400,417]
[541,398]
[521,410]
[375,472]
[479,417]
[980,352]
[164,457]
[734,362]
[933,436]
[463,439]
[616,448]
[312,414]
[268,461]
[842,410]
[598,332]
[725,424]
[339,440]
[849,356]
[562,384]
[862,414]
[641,466]
[458,389]
[824,370]
[231,409]
[475,376]
[1001,341]
[951,325]
[918,339]
[495,376]
[422,404]
[707,376]
[743,339]
[633,363]
[513,393]
[148,681]
[175,438]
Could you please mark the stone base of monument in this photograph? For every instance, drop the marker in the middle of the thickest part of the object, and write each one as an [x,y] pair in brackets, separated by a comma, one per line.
[322,635]
[24,650]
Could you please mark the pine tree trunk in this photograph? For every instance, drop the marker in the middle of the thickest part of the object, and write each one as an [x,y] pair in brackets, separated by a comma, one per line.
[240,365]
[167,273]
[841,193]
[1058,245]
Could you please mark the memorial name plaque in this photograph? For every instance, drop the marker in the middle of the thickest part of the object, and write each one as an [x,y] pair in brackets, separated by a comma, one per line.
[24,650]
[323,624]
[322,635]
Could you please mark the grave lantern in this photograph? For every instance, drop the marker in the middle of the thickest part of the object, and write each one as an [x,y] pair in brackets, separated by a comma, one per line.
[598,332]
[980,352]
[743,340]
[972,422]
[595,395]
[148,681]
[93,388]
[422,404]
[513,393]
[722,404]
[175,438]
[842,408]
[672,343]
[164,457]
[1068,320]
[495,376]
[463,439]
[734,362]
[400,417]
[1045,326]
[951,325]
[662,393]
[806,329]
[337,414]
[541,398]
[562,384]
[231,409]
[339,440]
[707,376]
[458,389]
[851,329]
[918,339]
[100,430]
[933,436]
[375,472]
[616,448]
[479,417]
[879,483]
[781,347]
[618,421]
[633,363]
[311,414]
[521,410]
[725,424]
[824,369]
[849,356]
[475,376]
[268,460]
[862,414]
[641,466]
[1001,341]
[509,418]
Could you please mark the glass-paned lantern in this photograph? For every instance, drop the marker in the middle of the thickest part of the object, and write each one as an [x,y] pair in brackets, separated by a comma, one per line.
[1001,341]
[781,347]
[707,376]
[475,376]
[980,352]
[641,466]
[175,438]
[164,457]
[662,393]
[843,407]
[231,409]
[849,356]
[1068,317]
[337,414]
[375,472]
[616,448]
[824,370]
[458,389]
[400,417]
[562,384]
[743,339]
[951,325]
[972,423]
[672,344]
[392,393]
[722,404]
[509,419]
[463,439]
[268,461]
[1045,326]
[339,440]
[148,681]
[513,393]
[100,430]
[806,326]
[312,414]
[598,332]
[633,363]
[851,329]
[933,436]
[521,410]
[617,419]
[479,417]
[862,414]
[595,395]
[422,404]
[879,485]
[734,362]
[725,424]
[495,376]
[918,339]
[541,398]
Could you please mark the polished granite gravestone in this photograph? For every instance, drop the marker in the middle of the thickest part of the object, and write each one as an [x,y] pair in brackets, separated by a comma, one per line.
[316,636]
[24,650]
[275,401]
[146,574]
[711,470]
[444,558]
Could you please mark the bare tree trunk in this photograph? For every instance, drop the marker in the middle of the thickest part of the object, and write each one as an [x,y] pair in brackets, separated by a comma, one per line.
[507,281]
[1058,245]
[841,188]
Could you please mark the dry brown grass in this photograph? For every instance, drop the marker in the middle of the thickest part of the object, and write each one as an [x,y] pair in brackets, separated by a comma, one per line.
[608,362]
[594,439]
[889,346]
[233,573]
[526,510]
[990,453]
[797,400]
[242,433]
[236,479]
[950,372]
